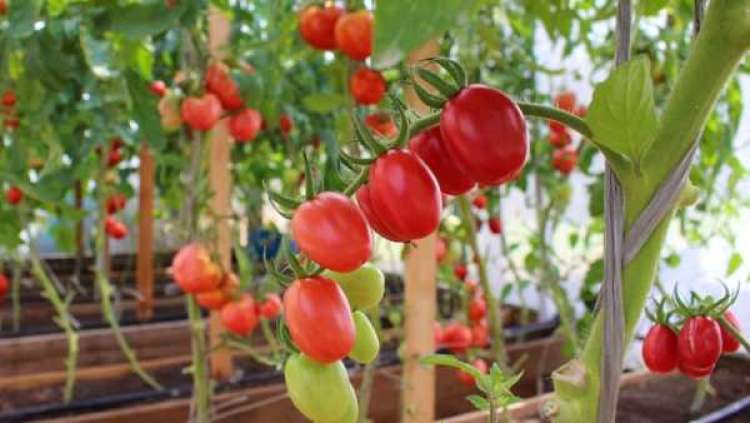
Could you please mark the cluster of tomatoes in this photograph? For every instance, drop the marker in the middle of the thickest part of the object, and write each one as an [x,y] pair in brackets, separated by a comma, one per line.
[199,275]
[565,156]
[694,350]
[10,116]
[113,227]
[494,223]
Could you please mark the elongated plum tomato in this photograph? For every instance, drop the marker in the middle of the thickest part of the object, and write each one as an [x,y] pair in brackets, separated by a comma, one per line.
[245,125]
[367,86]
[116,202]
[321,392]
[317,26]
[114,228]
[477,309]
[3,286]
[495,224]
[332,231]
[194,271]
[319,319]
[354,34]
[220,83]
[366,343]
[699,345]
[729,343]
[364,287]
[239,316]
[430,147]
[485,133]
[660,349]
[401,199]
[456,337]
[565,159]
[220,296]
[201,113]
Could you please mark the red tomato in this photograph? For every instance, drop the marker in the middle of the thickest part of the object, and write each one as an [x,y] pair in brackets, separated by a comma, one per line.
[441,249]
[729,343]
[116,202]
[480,336]
[285,124]
[480,201]
[222,295]
[245,125]
[116,143]
[430,146]
[367,86]
[472,286]
[581,111]
[332,231]
[660,349]
[317,26]
[271,307]
[566,100]
[695,372]
[194,270]
[555,126]
[699,344]
[239,316]
[456,337]
[495,224]
[14,195]
[114,228]
[354,34]
[401,199]
[201,113]
[485,133]
[319,319]
[11,122]
[468,379]
[477,309]
[220,83]
[114,157]
[437,333]
[565,159]
[559,139]
[3,7]
[382,124]
[4,285]
[158,88]
[9,98]
[460,271]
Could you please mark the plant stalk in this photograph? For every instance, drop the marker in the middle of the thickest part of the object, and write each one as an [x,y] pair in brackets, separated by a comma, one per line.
[201,381]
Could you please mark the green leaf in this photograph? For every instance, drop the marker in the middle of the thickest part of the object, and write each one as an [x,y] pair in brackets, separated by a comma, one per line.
[622,114]
[402,26]
[651,7]
[735,261]
[22,16]
[324,103]
[144,109]
[98,55]
[478,402]
[451,361]
[137,21]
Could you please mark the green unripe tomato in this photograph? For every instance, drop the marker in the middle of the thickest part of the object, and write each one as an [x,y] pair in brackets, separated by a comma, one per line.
[350,416]
[366,343]
[321,392]
[364,287]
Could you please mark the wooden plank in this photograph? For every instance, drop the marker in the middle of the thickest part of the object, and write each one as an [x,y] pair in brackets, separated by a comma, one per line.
[145,254]
[419,302]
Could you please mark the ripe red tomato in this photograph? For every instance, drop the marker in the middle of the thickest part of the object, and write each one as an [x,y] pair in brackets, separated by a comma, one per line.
[14,195]
[566,100]
[480,201]
[201,113]
[354,34]
[9,98]
[565,159]
[729,343]
[367,86]
[158,88]
[3,7]
[4,285]
[116,202]
[477,309]
[114,228]
[695,372]
[285,124]
[441,249]
[239,316]
[220,83]
[480,335]
[456,337]
[11,122]
[194,270]
[485,133]
[317,26]
[319,319]
[401,199]
[222,295]
[660,349]
[468,379]
[382,124]
[114,157]
[699,345]
[430,146]
[332,231]
[581,111]
[555,126]
[271,307]
[495,224]
[245,125]
[460,271]
[559,139]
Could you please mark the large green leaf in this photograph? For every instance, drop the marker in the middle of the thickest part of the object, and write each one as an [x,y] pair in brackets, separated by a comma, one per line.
[144,109]
[22,16]
[98,55]
[324,103]
[401,26]
[622,114]
[137,21]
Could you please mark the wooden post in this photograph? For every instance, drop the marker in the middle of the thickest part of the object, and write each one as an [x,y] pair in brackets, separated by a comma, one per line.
[419,302]
[145,253]
[220,183]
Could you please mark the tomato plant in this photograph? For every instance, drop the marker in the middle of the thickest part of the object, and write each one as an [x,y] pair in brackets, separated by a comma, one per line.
[194,270]
[660,349]
[317,25]
[430,147]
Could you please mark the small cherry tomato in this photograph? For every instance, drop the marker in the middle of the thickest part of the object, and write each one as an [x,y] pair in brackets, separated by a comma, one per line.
[660,349]
[245,125]
[194,270]
[239,316]
[699,345]
[271,307]
[495,224]
[285,124]
[477,309]
[480,201]
[460,271]
[220,83]
[222,295]
[382,124]
[559,139]
[430,146]
[14,195]
[456,337]
[158,88]
[201,113]
[116,202]
[114,228]
[354,34]
[565,160]
[566,100]
[317,26]
[9,98]
[480,336]
[367,86]
[729,343]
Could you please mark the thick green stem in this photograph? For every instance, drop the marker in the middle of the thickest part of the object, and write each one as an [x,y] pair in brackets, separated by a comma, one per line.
[701,389]
[552,113]
[493,306]
[201,381]
[718,50]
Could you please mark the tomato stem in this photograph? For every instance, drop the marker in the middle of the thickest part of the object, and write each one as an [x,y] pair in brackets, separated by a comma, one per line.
[357,182]
[734,332]
[552,113]
[423,123]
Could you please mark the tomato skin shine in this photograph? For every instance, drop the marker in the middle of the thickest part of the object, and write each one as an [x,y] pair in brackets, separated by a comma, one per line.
[430,147]
[699,346]
[485,133]
[660,349]
[319,319]
[332,232]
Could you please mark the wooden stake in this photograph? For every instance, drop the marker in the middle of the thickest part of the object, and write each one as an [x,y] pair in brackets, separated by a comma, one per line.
[419,302]
[145,254]
[220,182]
